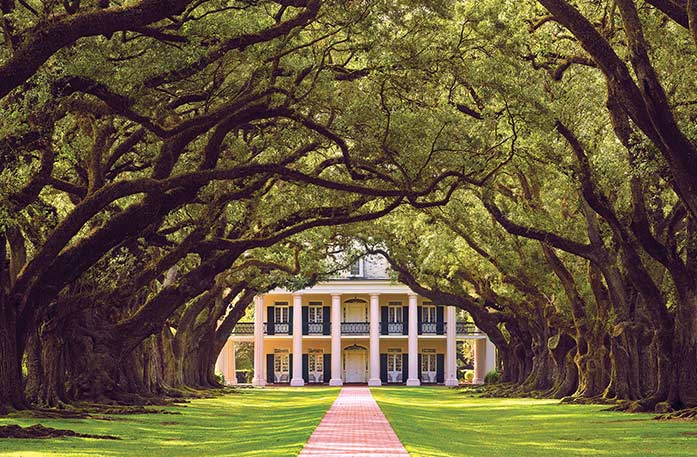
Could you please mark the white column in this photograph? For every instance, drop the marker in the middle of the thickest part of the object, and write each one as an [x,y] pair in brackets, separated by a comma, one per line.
[259,379]
[490,356]
[479,360]
[451,348]
[297,380]
[231,368]
[336,341]
[413,343]
[221,361]
[374,378]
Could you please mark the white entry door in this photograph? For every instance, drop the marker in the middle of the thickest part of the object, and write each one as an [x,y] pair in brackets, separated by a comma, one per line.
[355,366]
[355,312]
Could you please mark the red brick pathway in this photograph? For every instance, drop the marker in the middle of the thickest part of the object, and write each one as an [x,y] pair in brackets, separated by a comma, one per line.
[354,427]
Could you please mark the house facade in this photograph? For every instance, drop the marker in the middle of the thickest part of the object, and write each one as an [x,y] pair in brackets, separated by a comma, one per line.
[361,327]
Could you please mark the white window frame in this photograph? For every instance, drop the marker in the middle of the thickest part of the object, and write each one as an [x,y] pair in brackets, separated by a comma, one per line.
[359,273]
[315,366]
[280,309]
[428,362]
[395,313]
[281,366]
[429,313]
[315,313]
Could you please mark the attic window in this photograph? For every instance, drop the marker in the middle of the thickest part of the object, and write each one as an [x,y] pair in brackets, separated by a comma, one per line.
[356,269]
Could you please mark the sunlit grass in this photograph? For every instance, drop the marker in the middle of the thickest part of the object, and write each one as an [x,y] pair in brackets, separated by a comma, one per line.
[442,422]
[254,422]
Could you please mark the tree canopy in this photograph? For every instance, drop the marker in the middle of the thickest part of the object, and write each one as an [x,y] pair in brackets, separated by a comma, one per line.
[533,163]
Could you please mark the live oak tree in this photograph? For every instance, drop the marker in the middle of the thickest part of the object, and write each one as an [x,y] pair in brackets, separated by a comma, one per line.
[532,162]
[144,168]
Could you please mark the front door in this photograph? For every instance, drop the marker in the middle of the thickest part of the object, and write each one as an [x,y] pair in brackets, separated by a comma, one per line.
[355,366]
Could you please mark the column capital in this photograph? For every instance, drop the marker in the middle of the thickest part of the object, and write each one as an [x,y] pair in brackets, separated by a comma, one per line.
[374,294]
[297,294]
[413,295]
[336,295]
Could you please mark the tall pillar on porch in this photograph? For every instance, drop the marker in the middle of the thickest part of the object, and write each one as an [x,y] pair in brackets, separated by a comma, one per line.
[413,342]
[231,366]
[374,378]
[451,348]
[259,379]
[336,341]
[479,360]
[490,356]
[297,380]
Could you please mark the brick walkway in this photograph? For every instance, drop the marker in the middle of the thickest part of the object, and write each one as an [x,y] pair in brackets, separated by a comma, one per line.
[354,427]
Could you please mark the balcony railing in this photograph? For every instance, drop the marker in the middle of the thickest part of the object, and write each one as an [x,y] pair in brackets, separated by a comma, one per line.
[394,328]
[467,328]
[432,328]
[243,328]
[318,328]
[355,328]
[360,328]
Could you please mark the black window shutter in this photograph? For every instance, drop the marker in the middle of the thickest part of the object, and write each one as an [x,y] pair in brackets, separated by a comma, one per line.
[270,369]
[419,319]
[405,367]
[327,367]
[440,317]
[383,320]
[290,367]
[383,368]
[418,364]
[326,321]
[440,368]
[306,368]
[270,327]
[290,320]
[306,319]
[405,319]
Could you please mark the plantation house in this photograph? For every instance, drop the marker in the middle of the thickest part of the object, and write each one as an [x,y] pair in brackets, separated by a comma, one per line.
[360,327]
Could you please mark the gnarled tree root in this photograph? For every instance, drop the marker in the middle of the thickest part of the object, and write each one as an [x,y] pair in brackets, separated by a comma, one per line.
[683,414]
[39,431]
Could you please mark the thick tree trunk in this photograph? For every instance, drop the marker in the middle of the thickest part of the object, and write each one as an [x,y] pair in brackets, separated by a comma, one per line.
[684,392]
[565,379]
[11,388]
[591,360]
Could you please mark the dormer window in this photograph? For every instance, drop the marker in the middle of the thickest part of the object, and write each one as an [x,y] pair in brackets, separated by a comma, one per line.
[356,268]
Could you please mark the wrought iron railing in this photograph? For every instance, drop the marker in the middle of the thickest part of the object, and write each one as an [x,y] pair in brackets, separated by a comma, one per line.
[467,328]
[243,328]
[355,328]
[318,328]
[281,328]
[395,327]
[431,327]
[359,328]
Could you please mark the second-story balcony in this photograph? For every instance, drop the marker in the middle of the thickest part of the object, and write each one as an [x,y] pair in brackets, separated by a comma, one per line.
[359,328]
[243,328]
[355,328]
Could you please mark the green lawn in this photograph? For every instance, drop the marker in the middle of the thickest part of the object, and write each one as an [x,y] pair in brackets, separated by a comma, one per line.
[442,422]
[254,422]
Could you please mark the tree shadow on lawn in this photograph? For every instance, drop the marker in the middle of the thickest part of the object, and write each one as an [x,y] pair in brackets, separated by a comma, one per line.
[257,422]
[441,422]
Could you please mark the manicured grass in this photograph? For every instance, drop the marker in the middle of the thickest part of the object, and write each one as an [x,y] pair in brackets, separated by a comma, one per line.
[442,422]
[253,422]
